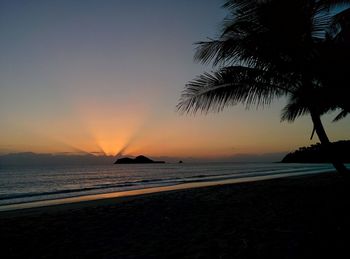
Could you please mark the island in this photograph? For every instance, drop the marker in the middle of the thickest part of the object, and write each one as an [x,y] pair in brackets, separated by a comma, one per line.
[137,160]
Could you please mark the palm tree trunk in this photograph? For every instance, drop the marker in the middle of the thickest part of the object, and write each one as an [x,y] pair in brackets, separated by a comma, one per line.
[321,133]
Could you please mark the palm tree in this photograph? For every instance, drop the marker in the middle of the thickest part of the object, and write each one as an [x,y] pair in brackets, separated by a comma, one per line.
[270,49]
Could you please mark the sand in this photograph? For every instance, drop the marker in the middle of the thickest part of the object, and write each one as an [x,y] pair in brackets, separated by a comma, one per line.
[295,217]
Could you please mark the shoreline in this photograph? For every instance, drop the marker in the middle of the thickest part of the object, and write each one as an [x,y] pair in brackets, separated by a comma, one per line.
[293,217]
[150,190]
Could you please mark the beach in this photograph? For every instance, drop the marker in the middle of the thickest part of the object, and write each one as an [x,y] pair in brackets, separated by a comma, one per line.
[294,217]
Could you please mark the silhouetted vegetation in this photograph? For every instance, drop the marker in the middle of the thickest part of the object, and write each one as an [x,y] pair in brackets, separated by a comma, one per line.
[317,154]
[297,49]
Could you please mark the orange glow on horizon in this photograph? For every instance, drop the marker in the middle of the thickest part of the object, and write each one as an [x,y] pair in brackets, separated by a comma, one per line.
[109,146]
[98,129]
[113,131]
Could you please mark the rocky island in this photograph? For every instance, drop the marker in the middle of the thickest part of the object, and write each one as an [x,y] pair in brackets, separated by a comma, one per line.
[137,160]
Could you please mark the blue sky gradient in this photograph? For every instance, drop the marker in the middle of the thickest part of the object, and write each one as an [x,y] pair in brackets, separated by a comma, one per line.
[105,76]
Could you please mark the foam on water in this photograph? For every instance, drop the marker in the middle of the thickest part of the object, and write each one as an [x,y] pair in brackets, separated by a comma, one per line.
[27,184]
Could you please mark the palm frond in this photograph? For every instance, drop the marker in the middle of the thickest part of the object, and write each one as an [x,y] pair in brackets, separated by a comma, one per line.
[340,24]
[295,108]
[239,4]
[230,86]
[341,115]
[259,36]
[320,23]
[223,52]
[331,4]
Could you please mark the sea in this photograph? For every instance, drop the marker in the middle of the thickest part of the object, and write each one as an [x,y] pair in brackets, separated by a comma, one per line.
[32,183]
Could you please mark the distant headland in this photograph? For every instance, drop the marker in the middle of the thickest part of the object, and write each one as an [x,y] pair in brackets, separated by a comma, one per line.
[137,160]
[317,154]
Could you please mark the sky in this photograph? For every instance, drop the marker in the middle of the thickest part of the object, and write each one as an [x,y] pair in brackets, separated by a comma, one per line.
[104,77]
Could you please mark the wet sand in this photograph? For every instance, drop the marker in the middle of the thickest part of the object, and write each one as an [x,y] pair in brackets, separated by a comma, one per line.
[291,217]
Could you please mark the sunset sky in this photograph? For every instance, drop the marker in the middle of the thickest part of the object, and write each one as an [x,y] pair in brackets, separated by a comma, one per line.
[105,76]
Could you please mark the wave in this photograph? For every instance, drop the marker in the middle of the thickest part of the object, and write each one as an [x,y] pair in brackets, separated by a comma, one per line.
[144,183]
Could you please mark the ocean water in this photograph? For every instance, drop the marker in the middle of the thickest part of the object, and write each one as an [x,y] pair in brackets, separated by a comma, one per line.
[26,184]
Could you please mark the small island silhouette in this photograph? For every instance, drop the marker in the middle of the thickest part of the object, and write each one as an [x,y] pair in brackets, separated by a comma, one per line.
[137,160]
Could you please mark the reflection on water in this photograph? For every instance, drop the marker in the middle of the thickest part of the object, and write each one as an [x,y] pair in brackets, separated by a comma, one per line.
[19,185]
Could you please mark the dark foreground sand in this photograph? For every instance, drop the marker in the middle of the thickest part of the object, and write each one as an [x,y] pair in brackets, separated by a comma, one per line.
[297,217]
